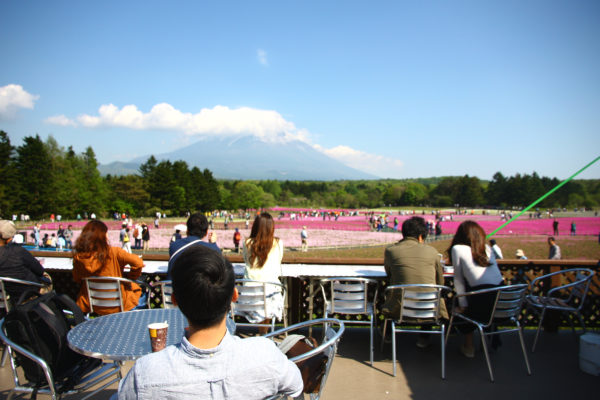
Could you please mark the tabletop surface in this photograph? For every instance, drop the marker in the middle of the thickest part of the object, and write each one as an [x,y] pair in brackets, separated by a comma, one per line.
[124,336]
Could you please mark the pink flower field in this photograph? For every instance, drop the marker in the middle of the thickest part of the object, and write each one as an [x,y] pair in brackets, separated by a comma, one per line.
[351,231]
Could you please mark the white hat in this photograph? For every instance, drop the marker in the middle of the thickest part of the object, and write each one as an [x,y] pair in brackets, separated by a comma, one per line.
[519,253]
[7,229]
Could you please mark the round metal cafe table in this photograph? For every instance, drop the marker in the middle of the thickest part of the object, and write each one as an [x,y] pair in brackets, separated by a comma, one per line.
[124,336]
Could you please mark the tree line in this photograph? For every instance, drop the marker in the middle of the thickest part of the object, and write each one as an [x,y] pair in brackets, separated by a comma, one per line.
[40,177]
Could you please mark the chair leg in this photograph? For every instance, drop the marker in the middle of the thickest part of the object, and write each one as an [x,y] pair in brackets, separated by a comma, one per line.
[581,321]
[385,321]
[449,328]
[443,343]
[371,339]
[523,348]
[537,333]
[485,351]
[4,356]
[394,346]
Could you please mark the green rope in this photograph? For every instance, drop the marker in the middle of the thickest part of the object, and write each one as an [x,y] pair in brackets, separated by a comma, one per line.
[542,198]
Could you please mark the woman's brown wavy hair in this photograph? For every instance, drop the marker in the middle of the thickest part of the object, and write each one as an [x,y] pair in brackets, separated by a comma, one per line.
[261,239]
[93,240]
[471,234]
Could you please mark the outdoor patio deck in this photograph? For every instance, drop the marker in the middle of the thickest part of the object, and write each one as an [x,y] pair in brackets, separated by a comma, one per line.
[555,371]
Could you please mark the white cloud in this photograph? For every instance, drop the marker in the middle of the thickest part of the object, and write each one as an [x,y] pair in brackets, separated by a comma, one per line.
[385,167]
[14,97]
[223,121]
[60,120]
[219,120]
[262,57]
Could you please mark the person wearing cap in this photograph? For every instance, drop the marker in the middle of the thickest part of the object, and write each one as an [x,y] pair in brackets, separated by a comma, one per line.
[520,255]
[17,263]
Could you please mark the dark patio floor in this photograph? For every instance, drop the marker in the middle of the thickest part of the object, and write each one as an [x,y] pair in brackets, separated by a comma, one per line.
[555,371]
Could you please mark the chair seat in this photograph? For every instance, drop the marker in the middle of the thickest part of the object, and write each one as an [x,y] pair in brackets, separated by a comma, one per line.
[549,302]
[351,310]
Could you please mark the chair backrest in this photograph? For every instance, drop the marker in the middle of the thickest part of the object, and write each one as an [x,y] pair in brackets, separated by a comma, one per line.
[420,301]
[505,302]
[252,295]
[105,291]
[509,301]
[4,298]
[573,292]
[348,295]
[166,291]
[328,346]
[580,285]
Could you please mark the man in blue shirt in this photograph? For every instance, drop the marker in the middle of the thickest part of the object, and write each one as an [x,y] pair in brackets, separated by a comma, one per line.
[197,229]
[210,363]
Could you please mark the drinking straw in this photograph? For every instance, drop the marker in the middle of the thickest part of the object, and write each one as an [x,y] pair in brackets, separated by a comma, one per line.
[542,198]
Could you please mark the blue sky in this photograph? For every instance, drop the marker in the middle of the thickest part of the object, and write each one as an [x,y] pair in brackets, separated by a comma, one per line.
[400,89]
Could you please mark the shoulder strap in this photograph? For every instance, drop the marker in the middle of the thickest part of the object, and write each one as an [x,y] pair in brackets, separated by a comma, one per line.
[43,311]
[67,304]
[183,247]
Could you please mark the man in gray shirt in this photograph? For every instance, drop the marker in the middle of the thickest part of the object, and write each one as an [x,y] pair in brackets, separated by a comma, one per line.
[209,363]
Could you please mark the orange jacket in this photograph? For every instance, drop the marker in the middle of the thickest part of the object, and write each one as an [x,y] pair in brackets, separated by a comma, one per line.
[86,264]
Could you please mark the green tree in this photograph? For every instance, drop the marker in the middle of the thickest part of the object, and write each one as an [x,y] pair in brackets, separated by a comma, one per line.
[7,182]
[34,186]
[92,192]
[247,195]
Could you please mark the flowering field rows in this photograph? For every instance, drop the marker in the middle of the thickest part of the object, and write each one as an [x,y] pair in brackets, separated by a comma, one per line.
[353,231]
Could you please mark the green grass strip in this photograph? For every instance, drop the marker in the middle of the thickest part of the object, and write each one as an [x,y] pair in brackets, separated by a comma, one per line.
[542,198]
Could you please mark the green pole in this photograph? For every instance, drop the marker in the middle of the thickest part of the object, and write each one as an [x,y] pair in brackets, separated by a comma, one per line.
[542,198]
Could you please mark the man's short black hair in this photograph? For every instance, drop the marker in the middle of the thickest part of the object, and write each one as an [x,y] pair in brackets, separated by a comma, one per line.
[197,225]
[203,283]
[414,227]
[493,242]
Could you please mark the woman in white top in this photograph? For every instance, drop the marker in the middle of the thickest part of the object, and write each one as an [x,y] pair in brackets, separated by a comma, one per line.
[263,253]
[474,269]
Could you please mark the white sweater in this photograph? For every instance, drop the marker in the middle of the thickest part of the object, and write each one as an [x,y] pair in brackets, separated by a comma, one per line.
[466,271]
[271,271]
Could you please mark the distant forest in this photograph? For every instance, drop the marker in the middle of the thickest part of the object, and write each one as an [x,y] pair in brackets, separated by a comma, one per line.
[41,177]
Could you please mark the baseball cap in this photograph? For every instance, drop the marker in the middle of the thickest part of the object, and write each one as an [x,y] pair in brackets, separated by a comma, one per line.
[7,229]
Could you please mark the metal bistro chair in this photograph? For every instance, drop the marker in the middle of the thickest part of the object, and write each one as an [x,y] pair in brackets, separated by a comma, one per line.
[328,347]
[421,305]
[253,298]
[349,295]
[97,376]
[572,295]
[506,308]
[106,291]
[5,300]
[166,291]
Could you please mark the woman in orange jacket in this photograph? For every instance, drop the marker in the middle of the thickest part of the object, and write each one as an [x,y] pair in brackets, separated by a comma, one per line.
[92,256]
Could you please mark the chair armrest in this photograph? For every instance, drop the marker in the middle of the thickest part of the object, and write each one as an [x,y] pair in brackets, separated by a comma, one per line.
[564,271]
[41,362]
[568,285]
[143,284]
